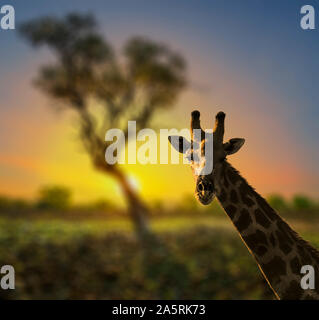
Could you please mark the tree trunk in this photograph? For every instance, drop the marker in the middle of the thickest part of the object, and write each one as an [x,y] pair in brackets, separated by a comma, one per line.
[137,209]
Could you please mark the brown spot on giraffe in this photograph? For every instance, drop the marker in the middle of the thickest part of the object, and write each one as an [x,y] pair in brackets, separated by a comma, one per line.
[261,250]
[304,255]
[286,230]
[225,180]
[222,195]
[272,239]
[233,177]
[275,268]
[265,208]
[295,266]
[245,194]
[261,218]
[293,292]
[243,221]
[233,196]
[231,210]
[283,242]
[256,239]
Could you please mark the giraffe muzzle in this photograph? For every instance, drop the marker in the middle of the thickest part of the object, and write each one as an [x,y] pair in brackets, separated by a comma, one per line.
[204,191]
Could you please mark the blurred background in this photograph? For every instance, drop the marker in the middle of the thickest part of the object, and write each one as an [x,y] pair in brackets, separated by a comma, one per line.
[74,227]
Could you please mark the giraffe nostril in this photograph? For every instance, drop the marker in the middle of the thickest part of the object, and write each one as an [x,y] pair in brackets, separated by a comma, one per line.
[209,187]
[204,186]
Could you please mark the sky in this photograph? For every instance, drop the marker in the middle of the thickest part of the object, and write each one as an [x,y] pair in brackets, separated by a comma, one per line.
[248,58]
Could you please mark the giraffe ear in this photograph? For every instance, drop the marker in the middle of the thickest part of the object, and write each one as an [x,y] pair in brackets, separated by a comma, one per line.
[179,143]
[233,145]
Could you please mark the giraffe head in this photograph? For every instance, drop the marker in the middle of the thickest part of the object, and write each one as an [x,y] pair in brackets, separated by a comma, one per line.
[206,152]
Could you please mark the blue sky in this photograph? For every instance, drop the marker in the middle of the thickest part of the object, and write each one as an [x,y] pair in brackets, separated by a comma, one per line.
[260,38]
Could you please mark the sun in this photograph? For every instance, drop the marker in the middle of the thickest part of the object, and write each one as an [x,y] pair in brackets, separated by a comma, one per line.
[134,182]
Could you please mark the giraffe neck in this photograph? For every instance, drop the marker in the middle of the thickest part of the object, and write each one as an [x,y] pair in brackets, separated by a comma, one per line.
[279,251]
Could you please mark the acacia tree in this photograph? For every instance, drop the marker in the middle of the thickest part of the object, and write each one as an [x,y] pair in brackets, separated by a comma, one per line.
[104,89]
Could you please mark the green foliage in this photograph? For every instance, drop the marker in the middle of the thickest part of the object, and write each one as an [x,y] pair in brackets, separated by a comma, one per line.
[277,202]
[58,259]
[158,206]
[189,203]
[215,208]
[101,204]
[54,198]
[4,203]
[302,202]
[91,266]
[16,206]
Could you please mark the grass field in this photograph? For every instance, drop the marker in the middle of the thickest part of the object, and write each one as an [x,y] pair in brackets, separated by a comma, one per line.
[101,259]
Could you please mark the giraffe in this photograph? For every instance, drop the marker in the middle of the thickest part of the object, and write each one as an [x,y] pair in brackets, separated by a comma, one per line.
[278,250]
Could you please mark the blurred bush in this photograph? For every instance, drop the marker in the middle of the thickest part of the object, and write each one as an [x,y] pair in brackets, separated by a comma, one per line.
[88,266]
[58,259]
[54,198]
[278,202]
[13,206]
[188,203]
[302,202]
